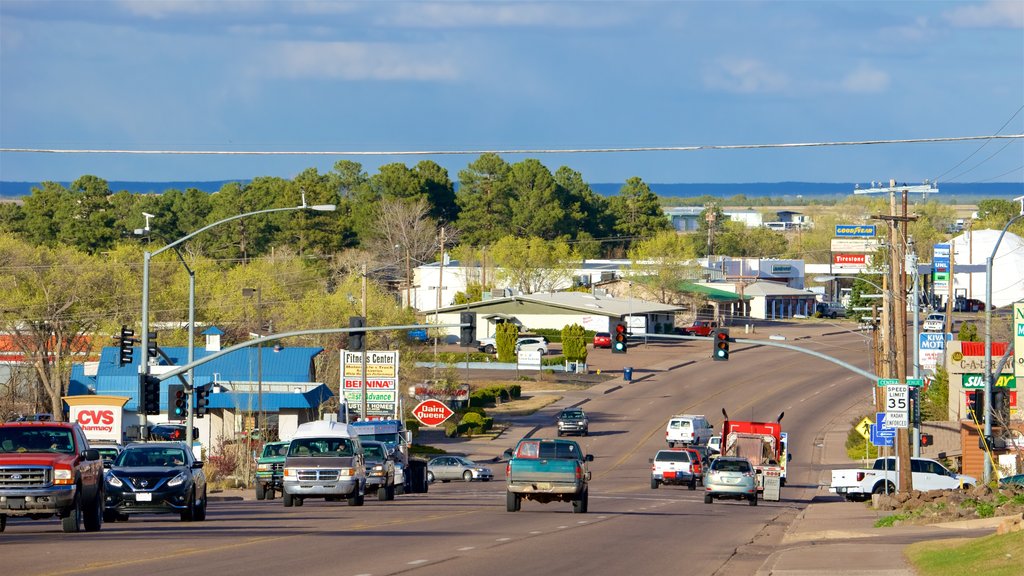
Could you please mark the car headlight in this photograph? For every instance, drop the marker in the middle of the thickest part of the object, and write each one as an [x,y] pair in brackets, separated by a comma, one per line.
[290,473]
[264,467]
[481,469]
[177,480]
[347,471]
[114,480]
[63,476]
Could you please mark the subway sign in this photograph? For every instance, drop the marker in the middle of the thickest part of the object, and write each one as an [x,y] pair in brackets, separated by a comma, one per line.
[977,381]
[855,230]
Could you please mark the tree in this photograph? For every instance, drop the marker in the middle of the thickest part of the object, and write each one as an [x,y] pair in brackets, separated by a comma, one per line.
[968,332]
[533,264]
[506,334]
[484,199]
[662,264]
[637,212]
[710,224]
[44,210]
[439,190]
[404,234]
[536,202]
[761,242]
[574,344]
[587,215]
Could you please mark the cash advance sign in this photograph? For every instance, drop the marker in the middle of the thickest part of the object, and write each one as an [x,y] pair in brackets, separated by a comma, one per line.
[381,382]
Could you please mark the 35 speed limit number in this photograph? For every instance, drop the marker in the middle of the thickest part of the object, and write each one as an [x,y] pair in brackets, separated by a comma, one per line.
[897,403]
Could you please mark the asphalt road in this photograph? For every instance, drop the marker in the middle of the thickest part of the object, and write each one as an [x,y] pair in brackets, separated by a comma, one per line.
[463,529]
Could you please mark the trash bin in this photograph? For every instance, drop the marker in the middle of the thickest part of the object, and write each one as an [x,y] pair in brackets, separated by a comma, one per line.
[417,471]
[627,374]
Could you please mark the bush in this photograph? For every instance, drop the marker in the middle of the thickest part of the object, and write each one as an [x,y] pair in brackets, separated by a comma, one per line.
[412,425]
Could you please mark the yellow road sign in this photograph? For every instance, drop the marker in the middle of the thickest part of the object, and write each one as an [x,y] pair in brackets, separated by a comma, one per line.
[863,428]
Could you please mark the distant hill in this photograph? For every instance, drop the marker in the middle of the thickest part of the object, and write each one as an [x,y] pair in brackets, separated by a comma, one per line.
[797,192]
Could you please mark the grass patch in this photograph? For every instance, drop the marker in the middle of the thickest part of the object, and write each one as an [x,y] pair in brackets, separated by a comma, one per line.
[889,521]
[996,555]
[524,406]
[424,449]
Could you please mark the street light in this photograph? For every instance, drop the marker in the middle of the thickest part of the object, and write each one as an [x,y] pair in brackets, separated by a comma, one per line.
[988,334]
[148,256]
[249,293]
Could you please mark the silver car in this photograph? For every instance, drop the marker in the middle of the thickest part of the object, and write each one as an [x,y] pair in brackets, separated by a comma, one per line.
[729,477]
[447,468]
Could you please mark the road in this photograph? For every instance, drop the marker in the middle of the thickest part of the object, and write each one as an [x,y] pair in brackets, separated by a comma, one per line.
[463,529]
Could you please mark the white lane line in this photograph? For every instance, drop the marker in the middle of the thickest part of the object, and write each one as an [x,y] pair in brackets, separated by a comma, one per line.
[415,562]
[582,522]
[502,539]
[562,527]
[535,532]
[465,548]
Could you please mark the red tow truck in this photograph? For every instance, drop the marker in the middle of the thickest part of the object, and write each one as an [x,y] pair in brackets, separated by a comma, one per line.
[699,328]
[763,443]
[48,469]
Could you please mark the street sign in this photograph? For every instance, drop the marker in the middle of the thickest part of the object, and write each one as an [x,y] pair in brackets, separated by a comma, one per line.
[882,427]
[886,382]
[915,382]
[432,412]
[863,428]
[879,440]
[930,348]
[897,404]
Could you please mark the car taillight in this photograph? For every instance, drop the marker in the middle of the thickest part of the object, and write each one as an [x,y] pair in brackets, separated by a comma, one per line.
[579,472]
[860,476]
[508,469]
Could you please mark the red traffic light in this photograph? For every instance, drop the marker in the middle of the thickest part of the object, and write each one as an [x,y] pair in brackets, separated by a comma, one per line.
[619,339]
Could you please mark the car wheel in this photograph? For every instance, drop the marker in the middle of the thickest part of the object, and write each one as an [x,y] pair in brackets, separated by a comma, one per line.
[586,432]
[200,512]
[399,489]
[671,444]
[391,492]
[122,517]
[753,499]
[467,476]
[707,498]
[513,502]
[261,492]
[356,499]
[299,501]
[654,484]
[109,516]
[579,506]
[559,433]
[188,512]
[883,487]
[3,522]
[93,517]
[72,521]
[382,494]
[430,476]
[287,498]
[489,349]
[693,484]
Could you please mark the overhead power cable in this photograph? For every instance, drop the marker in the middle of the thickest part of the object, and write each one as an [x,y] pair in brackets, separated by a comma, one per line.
[506,151]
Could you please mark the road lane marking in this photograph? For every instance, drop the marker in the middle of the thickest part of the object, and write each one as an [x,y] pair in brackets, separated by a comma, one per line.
[465,548]
[502,539]
[415,562]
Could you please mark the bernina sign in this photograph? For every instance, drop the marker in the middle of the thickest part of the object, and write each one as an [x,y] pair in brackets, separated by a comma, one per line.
[99,416]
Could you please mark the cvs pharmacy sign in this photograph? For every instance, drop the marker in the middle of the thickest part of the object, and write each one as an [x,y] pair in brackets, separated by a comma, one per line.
[99,416]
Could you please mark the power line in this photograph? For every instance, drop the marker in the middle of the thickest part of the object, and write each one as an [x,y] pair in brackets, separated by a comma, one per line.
[507,151]
[957,165]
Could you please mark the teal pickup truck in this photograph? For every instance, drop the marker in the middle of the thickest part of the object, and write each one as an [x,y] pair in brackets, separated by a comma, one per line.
[270,470]
[547,471]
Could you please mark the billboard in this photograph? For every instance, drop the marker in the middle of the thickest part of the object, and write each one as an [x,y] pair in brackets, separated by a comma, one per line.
[940,269]
[381,382]
[854,261]
[1018,339]
[855,230]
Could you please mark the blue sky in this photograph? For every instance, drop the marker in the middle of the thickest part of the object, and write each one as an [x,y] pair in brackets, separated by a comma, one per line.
[407,76]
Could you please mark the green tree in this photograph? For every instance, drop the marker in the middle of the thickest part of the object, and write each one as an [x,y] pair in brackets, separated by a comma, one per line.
[484,199]
[637,211]
[587,215]
[439,190]
[935,400]
[533,264]
[574,344]
[506,334]
[761,242]
[44,211]
[536,202]
[663,263]
[968,332]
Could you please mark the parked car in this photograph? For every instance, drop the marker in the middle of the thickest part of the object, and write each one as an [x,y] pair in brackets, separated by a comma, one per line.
[532,344]
[730,477]
[831,309]
[968,305]
[573,421]
[154,478]
[679,467]
[171,432]
[1016,480]
[108,451]
[698,328]
[603,340]
[490,345]
[448,468]
[935,322]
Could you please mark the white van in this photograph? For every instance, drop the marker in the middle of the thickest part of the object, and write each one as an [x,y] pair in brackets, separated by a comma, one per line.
[687,429]
[324,460]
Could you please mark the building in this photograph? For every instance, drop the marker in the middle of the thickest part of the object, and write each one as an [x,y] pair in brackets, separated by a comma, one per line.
[555,310]
[769,300]
[286,386]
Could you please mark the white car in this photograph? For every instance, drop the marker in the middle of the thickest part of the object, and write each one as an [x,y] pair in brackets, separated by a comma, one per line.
[531,344]
[936,322]
[715,445]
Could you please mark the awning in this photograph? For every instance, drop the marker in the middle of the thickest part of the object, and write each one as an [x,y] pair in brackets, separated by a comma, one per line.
[711,293]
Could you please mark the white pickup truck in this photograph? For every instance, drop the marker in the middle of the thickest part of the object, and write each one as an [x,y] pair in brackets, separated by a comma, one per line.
[860,483]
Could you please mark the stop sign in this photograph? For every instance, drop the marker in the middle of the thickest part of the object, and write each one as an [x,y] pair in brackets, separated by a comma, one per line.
[432,412]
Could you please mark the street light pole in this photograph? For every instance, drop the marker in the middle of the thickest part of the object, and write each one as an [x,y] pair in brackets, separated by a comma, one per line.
[147,258]
[989,376]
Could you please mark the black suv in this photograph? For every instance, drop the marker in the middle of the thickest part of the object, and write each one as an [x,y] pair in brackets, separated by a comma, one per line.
[155,477]
[573,421]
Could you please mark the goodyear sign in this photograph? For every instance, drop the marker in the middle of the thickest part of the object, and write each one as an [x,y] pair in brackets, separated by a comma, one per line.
[976,381]
[855,230]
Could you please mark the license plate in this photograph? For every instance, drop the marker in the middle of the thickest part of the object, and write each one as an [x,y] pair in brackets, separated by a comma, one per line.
[544,485]
[670,474]
[144,497]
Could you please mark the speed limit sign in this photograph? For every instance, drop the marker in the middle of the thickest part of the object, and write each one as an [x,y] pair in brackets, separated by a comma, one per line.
[897,405]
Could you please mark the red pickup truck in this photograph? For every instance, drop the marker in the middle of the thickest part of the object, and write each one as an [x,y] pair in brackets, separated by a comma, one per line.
[47,469]
[699,328]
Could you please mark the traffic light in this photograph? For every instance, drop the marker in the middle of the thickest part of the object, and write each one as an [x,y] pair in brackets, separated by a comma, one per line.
[720,339]
[150,394]
[467,332]
[202,394]
[356,340]
[619,339]
[151,345]
[976,405]
[125,341]
[927,440]
[1000,406]
[177,402]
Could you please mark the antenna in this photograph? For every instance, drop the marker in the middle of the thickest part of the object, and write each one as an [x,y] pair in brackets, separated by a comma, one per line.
[148,216]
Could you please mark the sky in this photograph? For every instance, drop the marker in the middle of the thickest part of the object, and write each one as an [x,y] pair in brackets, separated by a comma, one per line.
[374,78]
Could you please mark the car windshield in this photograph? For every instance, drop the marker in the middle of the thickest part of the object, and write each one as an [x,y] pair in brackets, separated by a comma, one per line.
[731,465]
[464,461]
[36,440]
[271,450]
[679,424]
[150,456]
[107,453]
[321,447]
[374,452]
[573,414]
